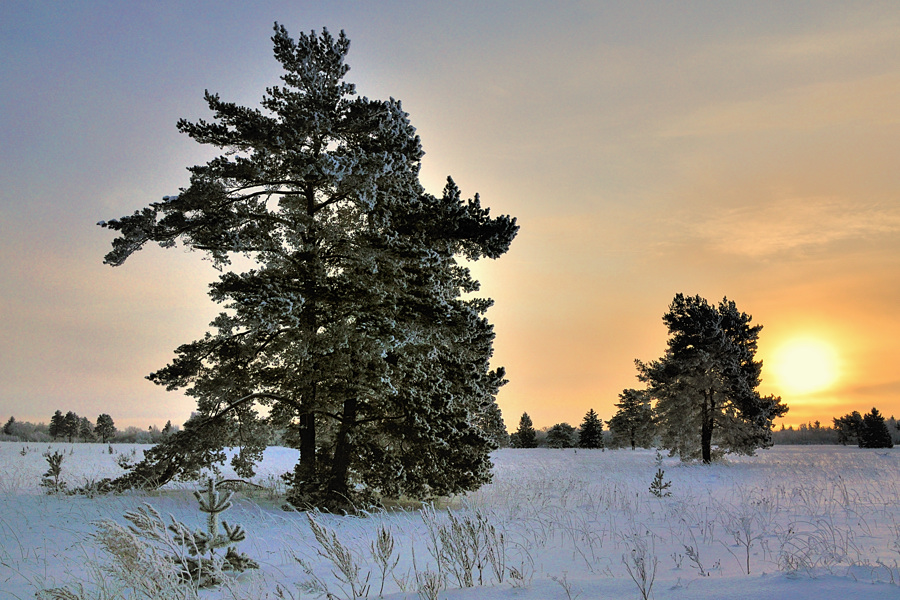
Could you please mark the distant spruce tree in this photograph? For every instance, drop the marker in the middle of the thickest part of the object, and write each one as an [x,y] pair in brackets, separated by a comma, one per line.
[10,426]
[525,436]
[591,433]
[561,435]
[105,428]
[85,429]
[490,422]
[848,427]
[57,425]
[874,432]
[632,425]
[70,425]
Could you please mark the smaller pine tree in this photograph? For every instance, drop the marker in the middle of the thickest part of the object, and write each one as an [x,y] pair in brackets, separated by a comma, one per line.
[591,433]
[10,426]
[874,432]
[525,436]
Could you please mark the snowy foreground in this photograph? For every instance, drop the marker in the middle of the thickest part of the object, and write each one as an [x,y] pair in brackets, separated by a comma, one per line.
[794,522]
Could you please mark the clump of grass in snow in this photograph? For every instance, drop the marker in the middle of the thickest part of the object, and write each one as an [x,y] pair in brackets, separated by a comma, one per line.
[346,564]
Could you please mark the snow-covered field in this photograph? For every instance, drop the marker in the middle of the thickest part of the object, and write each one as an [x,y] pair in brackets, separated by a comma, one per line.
[797,522]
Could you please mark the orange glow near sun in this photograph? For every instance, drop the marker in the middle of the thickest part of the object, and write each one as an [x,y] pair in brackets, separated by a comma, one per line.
[805,365]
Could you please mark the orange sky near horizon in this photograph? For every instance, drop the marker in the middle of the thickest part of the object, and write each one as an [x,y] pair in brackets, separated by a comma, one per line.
[746,150]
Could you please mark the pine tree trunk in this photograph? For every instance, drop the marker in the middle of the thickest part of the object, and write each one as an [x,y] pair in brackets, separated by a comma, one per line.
[706,428]
[338,488]
[306,471]
[307,464]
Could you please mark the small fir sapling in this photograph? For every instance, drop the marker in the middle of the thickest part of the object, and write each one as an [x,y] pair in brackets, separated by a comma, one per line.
[658,487]
[51,479]
[203,565]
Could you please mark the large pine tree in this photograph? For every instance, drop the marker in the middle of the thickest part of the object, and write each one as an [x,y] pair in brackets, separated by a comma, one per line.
[705,385]
[351,329]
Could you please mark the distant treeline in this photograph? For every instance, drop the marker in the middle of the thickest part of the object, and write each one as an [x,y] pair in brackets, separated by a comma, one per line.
[70,427]
[844,430]
[635,426]
[869,430]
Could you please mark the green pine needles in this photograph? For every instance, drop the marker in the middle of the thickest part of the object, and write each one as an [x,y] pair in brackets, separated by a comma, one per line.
[355,331]
[51,479]
[150,558]
[194,553]
[659,487]
[202,564]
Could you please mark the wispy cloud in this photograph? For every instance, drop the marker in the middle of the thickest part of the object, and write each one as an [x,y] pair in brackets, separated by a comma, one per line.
[871,100]
[869,37]
[793,224]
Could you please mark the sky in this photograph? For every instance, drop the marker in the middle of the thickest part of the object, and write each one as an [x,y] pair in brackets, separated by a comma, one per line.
[747,150]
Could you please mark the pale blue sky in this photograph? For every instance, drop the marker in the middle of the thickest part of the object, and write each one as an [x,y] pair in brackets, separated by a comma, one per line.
[647,148]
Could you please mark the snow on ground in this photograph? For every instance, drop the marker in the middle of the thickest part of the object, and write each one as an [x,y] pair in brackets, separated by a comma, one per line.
[798,522]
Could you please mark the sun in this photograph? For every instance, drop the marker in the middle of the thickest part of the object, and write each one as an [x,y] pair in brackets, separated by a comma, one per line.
[805,365]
